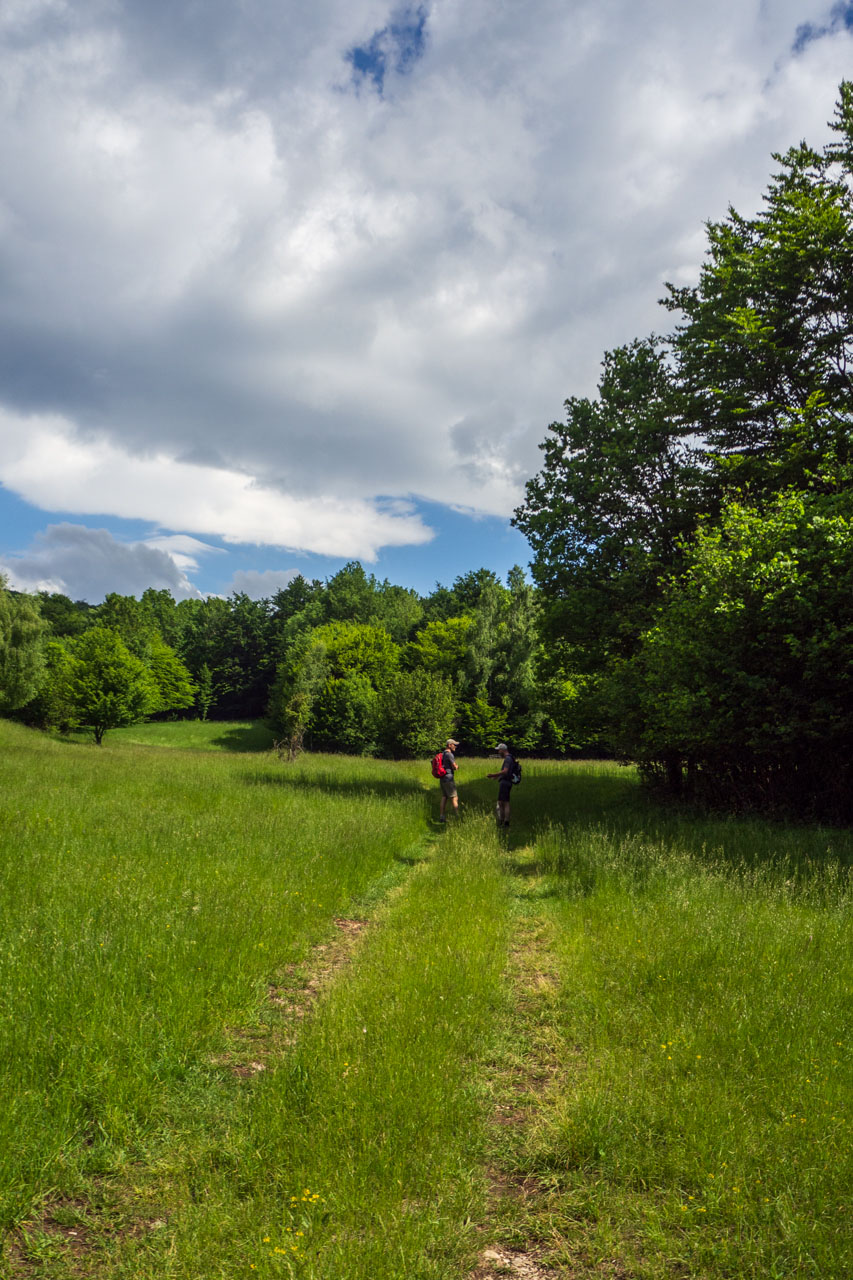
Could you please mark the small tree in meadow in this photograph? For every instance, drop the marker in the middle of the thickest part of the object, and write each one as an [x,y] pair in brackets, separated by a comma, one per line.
[105,685]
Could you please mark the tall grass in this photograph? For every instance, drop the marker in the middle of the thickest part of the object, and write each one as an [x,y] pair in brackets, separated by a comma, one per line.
[144,904]
[358,1155]
[703,1015]
[149,898]
[699,1017]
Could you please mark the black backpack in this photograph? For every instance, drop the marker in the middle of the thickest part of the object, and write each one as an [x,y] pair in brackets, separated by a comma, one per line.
[516,773]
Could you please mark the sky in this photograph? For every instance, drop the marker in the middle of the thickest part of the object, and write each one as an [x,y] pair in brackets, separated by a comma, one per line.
[283,286]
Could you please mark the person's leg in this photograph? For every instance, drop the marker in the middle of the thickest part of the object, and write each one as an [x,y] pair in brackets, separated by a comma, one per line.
[448,792]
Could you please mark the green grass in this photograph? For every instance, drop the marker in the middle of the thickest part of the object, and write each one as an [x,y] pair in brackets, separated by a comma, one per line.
[191,735]
[677,1064]
[365,1136]
[700,1020]
[143,907]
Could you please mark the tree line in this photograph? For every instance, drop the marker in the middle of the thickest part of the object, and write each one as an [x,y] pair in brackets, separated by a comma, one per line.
[691,525]
[347,664]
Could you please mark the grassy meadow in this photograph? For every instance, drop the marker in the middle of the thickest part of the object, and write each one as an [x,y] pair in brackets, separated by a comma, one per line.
[270,1019]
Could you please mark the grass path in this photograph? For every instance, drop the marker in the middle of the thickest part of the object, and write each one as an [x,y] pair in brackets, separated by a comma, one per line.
[196,1086]
[267,1020]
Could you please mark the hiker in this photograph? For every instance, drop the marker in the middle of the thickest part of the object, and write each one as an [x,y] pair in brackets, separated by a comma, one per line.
[448,781]
[505,784]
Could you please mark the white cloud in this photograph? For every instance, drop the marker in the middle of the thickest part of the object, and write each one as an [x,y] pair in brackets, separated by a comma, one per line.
[261,584]
[86,564]
[44,462]
[184,550]
[244,296]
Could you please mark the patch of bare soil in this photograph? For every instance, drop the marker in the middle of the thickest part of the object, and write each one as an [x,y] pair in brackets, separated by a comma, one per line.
[500,1264]
[520,1084]
[291,997]
[71,1234]
[60,1231]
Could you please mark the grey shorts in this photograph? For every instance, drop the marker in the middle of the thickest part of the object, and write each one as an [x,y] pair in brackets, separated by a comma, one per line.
[448,786]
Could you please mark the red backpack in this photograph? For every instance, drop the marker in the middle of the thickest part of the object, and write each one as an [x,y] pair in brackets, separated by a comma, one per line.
[438,769]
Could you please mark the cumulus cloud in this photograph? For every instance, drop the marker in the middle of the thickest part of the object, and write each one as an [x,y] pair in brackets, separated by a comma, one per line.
[266,267]
[43,461]
[86,564]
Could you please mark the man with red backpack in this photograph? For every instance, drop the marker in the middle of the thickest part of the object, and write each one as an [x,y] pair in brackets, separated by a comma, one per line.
[444,767]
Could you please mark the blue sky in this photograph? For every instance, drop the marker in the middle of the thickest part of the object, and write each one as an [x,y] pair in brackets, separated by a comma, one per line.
[460,542]
[395,47]
[283,286]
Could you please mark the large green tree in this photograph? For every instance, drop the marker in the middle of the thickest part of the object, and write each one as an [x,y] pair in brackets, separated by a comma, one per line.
[175,688]
[750,396]
[620,486]
[22,632]
[415,714]
[764,348]
[746,677]
[326,689]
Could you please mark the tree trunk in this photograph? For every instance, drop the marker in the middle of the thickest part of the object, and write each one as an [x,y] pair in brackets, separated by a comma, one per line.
[672,763]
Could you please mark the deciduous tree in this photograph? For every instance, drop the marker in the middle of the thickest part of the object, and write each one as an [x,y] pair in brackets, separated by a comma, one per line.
[22,632]
[605,516]
[746,677]
[106,686]
[415,711]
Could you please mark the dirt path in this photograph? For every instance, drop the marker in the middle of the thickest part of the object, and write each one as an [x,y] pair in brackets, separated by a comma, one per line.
[68,1237]
[529,1074]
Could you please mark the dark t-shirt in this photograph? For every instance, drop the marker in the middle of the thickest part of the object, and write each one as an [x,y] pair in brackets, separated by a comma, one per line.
[448,759]
[507,770]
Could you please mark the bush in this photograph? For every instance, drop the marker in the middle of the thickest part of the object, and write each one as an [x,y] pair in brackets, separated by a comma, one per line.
[416,712]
